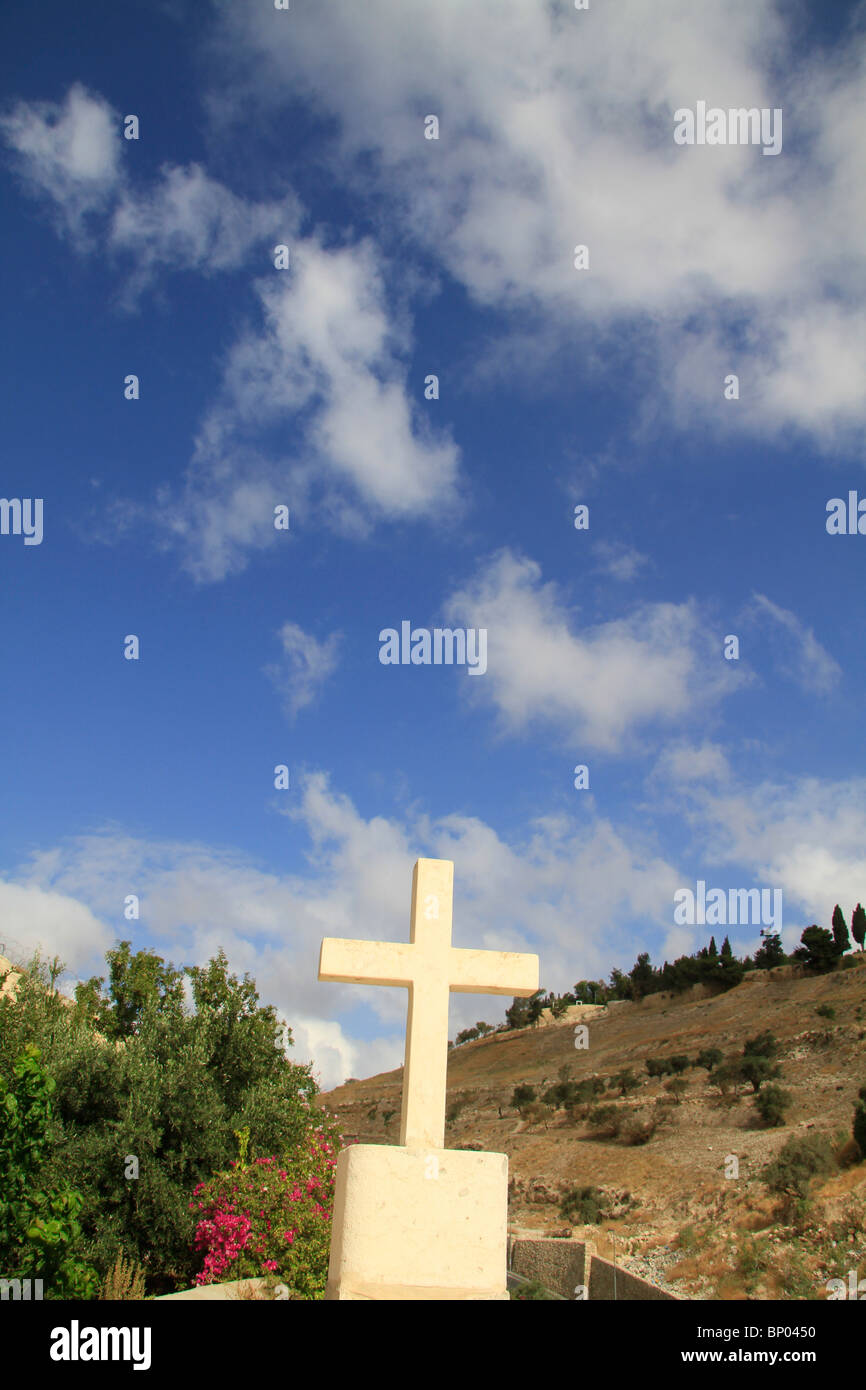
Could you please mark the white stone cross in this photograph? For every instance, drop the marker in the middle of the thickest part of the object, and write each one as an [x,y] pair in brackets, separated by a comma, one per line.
[430,967]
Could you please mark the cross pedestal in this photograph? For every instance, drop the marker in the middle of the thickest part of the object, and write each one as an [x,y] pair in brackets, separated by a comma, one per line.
[419,1221]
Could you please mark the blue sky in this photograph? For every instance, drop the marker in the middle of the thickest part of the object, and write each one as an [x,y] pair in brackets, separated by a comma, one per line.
[305,387]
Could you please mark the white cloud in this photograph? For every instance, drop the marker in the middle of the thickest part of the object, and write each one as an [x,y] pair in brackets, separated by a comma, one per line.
[71,152]
[54,923]
[327,361]
[67,151]
[805,661]
[660,664]
[556,127]
[620,561]
[307,664]
[581,892]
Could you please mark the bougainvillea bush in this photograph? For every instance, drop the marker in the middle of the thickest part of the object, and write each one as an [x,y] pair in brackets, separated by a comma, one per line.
[271,1216]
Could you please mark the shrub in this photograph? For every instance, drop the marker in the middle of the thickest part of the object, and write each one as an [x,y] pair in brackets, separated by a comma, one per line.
[583,1206]
[708,1057]
[640,1128]
[658,1066]
[530,1291]
[825,1011]
[762,1045]
[679,1062]
[859,1129]
[605,1120]
[522,1096]
[677,1086]
[771,1104]
[271,1216]
[799,1161]
[626,1081]
[125,1280]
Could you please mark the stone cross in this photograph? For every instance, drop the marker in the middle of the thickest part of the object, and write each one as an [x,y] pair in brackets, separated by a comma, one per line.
[429,967]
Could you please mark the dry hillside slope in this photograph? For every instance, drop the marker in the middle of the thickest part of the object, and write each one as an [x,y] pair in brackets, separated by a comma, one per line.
[676,1179]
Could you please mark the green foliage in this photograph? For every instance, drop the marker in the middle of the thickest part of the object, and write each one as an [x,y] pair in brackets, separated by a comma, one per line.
[677,1087]
[859,1128]
[771,1104]
[583,1206]
[727,1076]
[522,1096]
[679,1062]
[626,1081]
[658,1066]
[606,1120]
[841,939]
[467,1035]
[756,1070]
[709,1057]
[771,952]
[762,1045]
[799,1161]
[818,951]
[858,925]
[40,1235]
[163,1085]
[530,1291]
[825,1011]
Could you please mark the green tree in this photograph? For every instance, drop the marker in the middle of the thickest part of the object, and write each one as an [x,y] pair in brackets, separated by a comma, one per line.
[40,1235]
[708,1057]
[517,1015]
[677,1086]
[840,931]
[135,983]
[818,951]
[858,925]
[142,1119]
[772,1103]
[770,952]
[642,976]
[536,1005]
[859,1129]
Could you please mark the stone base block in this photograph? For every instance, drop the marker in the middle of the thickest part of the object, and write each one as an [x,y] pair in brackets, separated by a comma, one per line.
[419,1224]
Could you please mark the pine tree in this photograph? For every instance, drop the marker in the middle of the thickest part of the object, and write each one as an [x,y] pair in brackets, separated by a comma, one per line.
[727,953]
[712,951]
[840,932]
[858,925]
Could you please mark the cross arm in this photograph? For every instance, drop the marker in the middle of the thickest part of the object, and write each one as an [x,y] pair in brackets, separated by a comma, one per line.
[366,962]
[493,972]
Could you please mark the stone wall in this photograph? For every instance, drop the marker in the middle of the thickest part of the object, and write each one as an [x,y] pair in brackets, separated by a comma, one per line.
[562,1264]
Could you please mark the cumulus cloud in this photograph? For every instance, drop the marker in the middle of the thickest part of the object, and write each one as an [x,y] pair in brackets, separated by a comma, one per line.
[600,684]
[307,663]
[556,128]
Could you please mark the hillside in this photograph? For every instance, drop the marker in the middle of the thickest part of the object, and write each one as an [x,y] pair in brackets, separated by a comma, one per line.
[671,1208]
